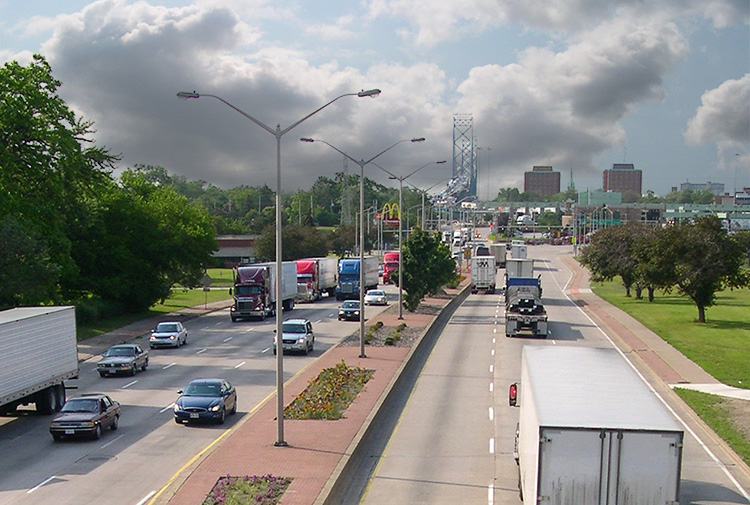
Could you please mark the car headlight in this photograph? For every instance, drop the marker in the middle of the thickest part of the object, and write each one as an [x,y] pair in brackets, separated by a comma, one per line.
[171,337]
[342,312]
[177,407]
[215,408]
[301,340]
[356,312]
[152,337]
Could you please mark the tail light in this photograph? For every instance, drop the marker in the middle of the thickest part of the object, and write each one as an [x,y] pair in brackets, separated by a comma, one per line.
[513,394]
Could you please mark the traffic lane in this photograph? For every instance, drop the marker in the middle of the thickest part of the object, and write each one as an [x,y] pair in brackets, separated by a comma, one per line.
[442,449]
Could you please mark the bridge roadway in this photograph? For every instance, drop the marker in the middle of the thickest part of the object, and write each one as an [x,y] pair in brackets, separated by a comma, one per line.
[453,443]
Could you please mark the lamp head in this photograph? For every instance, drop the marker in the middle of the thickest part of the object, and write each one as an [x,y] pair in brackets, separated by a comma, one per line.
[188,94]
[306,140]
[421,139]
[370,92]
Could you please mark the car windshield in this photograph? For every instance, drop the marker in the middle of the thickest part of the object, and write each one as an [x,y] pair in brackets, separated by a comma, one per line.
[120,351]
[293,328]
[375,293]
[203,389]
[88,405]
[166,327]
[351,305]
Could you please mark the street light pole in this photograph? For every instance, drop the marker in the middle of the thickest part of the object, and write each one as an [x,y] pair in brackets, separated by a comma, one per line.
[400,233]
[362,164]
[278,132]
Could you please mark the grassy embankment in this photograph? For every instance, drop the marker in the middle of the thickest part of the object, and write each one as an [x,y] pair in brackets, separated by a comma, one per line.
[721,346]
[181,298]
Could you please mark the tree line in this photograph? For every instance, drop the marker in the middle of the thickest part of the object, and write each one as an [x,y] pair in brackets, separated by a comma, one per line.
[697,258]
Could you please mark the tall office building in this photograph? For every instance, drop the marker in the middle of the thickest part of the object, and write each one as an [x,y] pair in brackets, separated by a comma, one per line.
[541,181]
[623,177]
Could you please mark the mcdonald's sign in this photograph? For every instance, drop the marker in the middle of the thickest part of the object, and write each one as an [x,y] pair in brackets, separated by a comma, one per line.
[391,213]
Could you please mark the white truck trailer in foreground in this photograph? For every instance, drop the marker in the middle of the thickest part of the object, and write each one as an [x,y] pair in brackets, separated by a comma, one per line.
[591,432]
[40,352]
[483,274]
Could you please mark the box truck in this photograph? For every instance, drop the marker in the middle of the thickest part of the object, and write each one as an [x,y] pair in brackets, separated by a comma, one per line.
[40,352]
[255,290]
[483,274]
[316,276]
[348,287]
[500,253]
[591,432]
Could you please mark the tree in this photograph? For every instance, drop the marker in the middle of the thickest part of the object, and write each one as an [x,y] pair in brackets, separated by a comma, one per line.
[296,242]
[49,170]
[138,240]
[610,254]
[705,259]
[428,266]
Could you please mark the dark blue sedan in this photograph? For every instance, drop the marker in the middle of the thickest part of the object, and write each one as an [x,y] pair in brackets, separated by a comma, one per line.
[205,400]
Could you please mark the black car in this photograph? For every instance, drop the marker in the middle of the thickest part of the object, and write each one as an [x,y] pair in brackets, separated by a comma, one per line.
[349,310]
[205,400]
[85,415]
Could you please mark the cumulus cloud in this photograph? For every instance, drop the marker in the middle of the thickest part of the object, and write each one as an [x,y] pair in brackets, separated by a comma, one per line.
[724,114]
[563,108]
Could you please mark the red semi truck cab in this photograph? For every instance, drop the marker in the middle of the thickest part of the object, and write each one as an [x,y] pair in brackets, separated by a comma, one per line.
[391,260]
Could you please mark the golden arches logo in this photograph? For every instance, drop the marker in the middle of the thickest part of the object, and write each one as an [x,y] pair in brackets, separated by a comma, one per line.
[391,212]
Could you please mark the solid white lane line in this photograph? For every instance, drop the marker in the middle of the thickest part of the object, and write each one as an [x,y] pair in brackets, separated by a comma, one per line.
[129,384]
[169,366]
[40,485]
[201,351]
[228,339]
[146,498]
[239,365]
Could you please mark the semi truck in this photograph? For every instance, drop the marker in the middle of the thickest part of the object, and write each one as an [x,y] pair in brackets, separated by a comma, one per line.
[591,432]
[348,286]
[255,290]
[391,260]
[483,274]
[524,309]
[40,352]
[316,276]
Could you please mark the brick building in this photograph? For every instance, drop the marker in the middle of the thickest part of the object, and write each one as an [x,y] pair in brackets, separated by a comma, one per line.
[542,181]
[623,177]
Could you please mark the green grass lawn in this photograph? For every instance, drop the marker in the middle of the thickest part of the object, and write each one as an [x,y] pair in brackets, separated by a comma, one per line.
[221,277]
[721,345]
[180,299]
[713,410]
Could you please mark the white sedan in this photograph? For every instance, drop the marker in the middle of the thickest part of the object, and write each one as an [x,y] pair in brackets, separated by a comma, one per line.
[376,297]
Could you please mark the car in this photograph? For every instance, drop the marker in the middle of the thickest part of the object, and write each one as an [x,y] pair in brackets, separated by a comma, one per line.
[207,400]
[296,335]
[349,310]
[168,334]
[123,359]
[376,297]
[85,415]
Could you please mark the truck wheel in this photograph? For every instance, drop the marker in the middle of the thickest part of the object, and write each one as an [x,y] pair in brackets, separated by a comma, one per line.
[45,401]
[234,319]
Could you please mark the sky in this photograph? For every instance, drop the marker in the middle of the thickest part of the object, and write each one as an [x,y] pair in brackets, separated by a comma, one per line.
[576,84]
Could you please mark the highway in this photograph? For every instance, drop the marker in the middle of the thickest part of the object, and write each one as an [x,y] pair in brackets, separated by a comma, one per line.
[453,442]
[130,465]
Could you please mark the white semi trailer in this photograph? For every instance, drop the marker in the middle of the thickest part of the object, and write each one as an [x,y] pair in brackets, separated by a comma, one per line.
[40,352]
[591,432]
